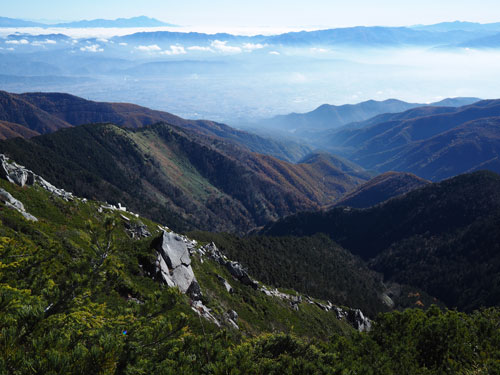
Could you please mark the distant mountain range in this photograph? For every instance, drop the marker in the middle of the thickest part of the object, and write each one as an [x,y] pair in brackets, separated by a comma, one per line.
[13,22]
[350,36]
[459,25]
[141,21]
[431,142]
[490,41]
[329,116]
[447,34]
[360,35]
[442,237]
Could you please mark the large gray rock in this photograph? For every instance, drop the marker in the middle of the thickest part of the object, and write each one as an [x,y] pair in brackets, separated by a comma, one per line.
[183,277]
[163,270]
[174,250]
[174,264]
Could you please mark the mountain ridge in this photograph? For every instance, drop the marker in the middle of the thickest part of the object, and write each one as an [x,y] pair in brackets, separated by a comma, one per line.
[139,21]
[381,188]
[47,112]
[180,176]
[333,116]
[429,142]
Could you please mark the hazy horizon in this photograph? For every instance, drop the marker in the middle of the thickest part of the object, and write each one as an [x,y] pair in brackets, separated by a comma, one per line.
[236,80]
[260,13]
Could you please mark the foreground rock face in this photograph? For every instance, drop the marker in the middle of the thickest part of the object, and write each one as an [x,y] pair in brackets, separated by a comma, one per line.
[174,264]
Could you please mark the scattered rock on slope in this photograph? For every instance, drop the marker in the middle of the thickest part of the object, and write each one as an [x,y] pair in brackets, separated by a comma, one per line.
[13,203]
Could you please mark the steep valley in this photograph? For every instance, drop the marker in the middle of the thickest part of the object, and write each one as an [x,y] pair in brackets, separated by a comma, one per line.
[176,176]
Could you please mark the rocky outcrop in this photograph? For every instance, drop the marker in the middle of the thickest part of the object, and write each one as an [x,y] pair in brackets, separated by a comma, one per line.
[358,320]
[13,203]
[354,317]
[237,271]
[173,262]
[294,300]
[13,172]
[135,229]
[67,196]
[204,312]
[19,175]
[234,268]
[173,267]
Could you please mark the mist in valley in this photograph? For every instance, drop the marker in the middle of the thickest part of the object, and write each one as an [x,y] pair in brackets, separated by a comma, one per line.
[239,80]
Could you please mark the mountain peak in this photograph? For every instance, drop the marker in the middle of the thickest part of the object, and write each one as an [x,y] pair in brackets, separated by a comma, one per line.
[138,21]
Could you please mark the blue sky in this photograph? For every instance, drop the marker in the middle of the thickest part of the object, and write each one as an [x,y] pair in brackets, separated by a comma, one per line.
[284,13]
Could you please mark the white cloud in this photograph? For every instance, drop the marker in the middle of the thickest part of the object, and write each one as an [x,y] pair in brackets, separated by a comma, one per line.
[123,44]
[201,49]
[21,41]
[74,41]
[102,40]
[93,48]
[174,50]
[151,48]
[43,42]
[222,46]
[274,53]
[252,47]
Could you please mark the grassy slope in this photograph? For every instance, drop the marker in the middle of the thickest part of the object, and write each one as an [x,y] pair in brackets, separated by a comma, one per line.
[63,228]
[58,315]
